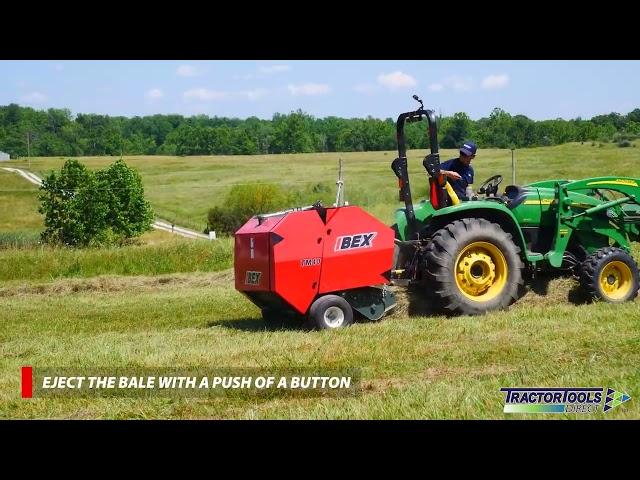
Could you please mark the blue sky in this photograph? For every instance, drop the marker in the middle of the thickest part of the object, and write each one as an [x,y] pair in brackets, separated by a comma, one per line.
[343,88]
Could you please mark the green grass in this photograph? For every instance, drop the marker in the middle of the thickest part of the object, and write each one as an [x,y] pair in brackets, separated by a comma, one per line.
[412,367]
[182,189]
[128,307]
[20,222]
[171,255]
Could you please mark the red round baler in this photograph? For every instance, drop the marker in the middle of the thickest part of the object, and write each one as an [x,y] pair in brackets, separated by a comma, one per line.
[315,262]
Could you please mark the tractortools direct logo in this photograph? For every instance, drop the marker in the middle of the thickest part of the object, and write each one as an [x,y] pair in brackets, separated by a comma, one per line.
[614,399]
[561,400]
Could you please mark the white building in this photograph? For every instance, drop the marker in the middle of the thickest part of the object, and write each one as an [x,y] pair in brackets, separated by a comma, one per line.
[4,156]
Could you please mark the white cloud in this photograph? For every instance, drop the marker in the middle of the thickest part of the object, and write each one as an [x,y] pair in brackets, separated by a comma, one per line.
[366,88]
[187,71]
[309,89]
[154,94]
[205,94]
[455,82]
[34,97]
[495,81]
[396,80]
[255,94]
[275,69]
[461,84]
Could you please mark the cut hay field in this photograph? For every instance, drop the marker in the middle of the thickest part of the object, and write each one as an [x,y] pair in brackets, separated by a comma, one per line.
[413,367]
[171,302]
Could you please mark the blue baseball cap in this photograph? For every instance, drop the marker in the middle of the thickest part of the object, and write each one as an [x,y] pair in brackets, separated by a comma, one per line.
[468,148]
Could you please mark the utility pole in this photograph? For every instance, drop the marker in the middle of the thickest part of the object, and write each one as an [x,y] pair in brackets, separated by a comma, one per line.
[29,148]
[340,184]
[513,168]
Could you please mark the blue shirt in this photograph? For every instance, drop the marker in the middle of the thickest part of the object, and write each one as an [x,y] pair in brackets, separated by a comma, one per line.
[466,176]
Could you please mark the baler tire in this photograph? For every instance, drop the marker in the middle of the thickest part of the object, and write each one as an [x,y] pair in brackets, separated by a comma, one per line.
[610,274]
[329,312]
[473,266]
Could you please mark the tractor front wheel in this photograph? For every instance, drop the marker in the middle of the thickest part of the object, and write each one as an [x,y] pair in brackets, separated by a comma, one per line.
[473,266]
[610,274]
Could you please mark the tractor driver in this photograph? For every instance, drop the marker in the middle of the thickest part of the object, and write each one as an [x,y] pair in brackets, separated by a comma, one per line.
[460,172]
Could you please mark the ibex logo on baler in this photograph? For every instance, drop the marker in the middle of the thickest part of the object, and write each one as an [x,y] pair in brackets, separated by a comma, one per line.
[359,240]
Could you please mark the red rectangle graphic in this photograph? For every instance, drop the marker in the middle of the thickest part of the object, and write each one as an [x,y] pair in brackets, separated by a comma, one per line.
[27,382]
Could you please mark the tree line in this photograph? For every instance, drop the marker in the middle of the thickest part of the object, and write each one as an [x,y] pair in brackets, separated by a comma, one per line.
[56,132]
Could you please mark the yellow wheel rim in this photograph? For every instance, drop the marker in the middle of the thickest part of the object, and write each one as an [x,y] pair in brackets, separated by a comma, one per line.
[481,271]
[616,280]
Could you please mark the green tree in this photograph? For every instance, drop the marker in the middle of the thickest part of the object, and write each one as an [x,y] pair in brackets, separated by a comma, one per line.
[128,213]
[73,206]
[292,133]
[458,130]
[84,208]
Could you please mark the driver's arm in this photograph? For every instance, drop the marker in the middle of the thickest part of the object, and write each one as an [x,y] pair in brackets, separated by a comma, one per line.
[451,174]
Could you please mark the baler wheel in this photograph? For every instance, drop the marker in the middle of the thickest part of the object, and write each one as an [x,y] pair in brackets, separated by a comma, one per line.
[329,312]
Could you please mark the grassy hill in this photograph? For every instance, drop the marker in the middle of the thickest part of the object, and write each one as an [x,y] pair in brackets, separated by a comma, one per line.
[171,302]
[182,189]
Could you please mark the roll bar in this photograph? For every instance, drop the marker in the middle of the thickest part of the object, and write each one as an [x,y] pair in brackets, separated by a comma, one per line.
[431,162]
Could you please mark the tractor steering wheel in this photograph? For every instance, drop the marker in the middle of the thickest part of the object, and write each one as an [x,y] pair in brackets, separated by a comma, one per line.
[490,186]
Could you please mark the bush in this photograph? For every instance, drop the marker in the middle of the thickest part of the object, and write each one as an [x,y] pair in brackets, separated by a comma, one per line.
[620,136]
[624,143]
[85,208]
[223,220]
[245,201]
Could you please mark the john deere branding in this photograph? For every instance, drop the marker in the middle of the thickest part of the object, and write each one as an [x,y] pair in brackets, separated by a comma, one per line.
[561,400]
[618,181]
[351,242]
[310,262]
[252,278]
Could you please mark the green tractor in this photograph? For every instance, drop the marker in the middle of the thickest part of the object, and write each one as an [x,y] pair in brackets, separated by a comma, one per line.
[474,256]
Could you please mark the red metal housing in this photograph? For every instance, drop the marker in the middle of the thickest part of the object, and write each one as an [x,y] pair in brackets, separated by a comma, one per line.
[290,259]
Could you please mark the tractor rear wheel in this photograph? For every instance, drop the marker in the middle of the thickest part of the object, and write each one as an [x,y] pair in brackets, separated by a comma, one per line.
[330,311]
[473,266]
[610,274]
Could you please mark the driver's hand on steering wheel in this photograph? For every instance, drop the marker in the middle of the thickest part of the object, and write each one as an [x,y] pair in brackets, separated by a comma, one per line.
[450,174]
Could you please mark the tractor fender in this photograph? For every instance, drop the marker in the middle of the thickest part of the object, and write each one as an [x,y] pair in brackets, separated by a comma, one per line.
[494,212]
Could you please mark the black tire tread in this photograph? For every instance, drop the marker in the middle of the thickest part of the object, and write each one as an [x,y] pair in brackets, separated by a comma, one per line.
[316,312]
[593,264]
[441,286]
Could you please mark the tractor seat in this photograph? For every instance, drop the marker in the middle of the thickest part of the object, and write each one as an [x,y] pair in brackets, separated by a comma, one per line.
[514,195]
